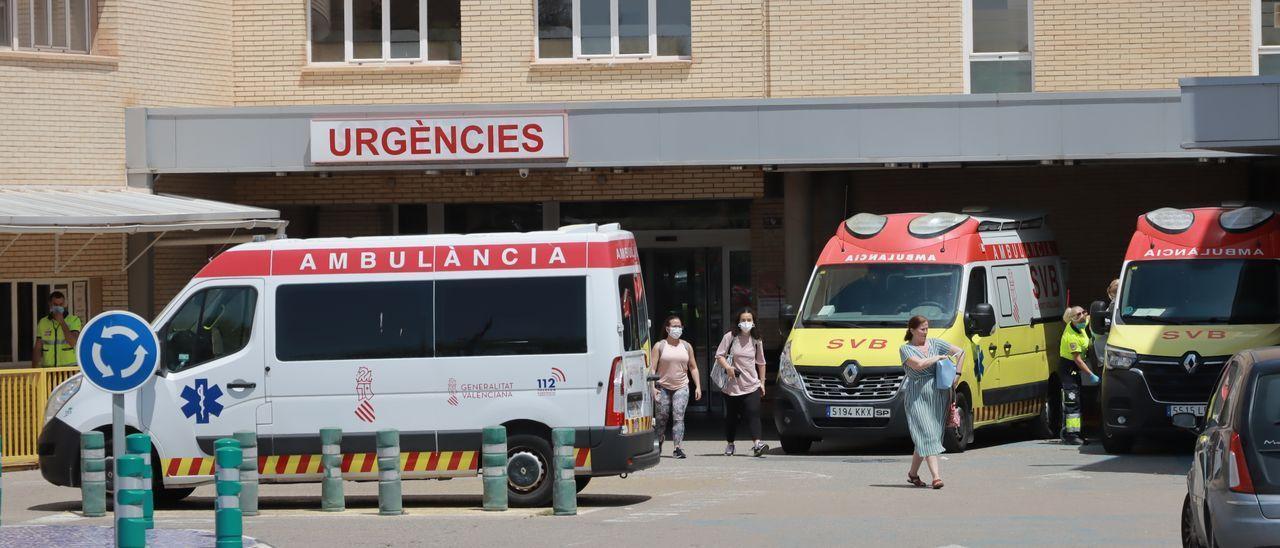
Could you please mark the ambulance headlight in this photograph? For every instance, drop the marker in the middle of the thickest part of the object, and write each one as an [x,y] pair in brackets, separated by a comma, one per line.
[866,225]
[61,395]
[934,224]
[1244,218]
[1120,358]
[1171,220]
[787,373]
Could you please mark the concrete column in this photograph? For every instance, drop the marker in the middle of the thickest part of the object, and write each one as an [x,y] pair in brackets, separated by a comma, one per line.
[141,275]
[435,218]
[797,206]
[550,215]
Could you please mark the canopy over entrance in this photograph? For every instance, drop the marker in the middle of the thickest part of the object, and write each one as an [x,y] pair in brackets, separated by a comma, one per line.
[44,210]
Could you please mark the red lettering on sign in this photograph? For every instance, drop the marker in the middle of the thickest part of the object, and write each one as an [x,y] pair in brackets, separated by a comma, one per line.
[533,138]
[466,141]
[490,135]
[507,138]
[393,146]
[346,142]
[365,138]
[419,139]
[447,141]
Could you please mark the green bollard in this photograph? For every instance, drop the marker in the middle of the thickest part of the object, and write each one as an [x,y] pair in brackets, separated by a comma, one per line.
[227,520]
[140,445]
[390,501]
[494,454]
[93,474]
[564,494]
[131,527]
[331,498]
[248,472]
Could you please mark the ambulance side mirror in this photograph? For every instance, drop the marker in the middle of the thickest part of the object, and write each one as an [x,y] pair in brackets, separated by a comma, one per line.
[1098,318]
[980,320]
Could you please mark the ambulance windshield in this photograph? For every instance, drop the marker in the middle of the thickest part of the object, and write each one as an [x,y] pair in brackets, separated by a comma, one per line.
[1201,292]
[882,295]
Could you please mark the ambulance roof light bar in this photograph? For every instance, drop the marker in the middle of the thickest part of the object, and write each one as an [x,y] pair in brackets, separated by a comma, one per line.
[935,224]
[1170,220]
[866,225]
[1244,219]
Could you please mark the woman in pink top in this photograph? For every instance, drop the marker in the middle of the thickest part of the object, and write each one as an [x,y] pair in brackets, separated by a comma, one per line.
[741,354]
[676,365]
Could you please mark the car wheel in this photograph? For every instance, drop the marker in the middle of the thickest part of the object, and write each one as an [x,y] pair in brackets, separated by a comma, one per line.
[581,482]
[529,470]
[1190,538]
[796,446]
[956,440]
[1116,444]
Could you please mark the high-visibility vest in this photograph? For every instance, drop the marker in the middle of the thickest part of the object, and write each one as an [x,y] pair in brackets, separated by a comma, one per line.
[58,352]
[1073,341]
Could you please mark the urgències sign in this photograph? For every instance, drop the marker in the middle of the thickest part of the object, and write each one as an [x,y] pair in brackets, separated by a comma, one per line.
[470,138]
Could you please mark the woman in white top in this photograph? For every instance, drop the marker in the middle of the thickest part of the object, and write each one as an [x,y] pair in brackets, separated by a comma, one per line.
[741,354]
[675,366]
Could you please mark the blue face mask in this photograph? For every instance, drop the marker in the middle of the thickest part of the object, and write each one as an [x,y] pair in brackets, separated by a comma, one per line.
[1081,325]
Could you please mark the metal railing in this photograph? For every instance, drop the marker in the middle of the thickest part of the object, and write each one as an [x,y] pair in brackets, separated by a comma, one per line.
[23,393]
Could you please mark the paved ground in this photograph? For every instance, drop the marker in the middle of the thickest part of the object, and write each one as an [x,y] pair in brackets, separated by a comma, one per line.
[1008,491]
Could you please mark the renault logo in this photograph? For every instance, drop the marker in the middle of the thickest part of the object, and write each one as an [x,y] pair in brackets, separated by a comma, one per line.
[1190,362]
[850,374]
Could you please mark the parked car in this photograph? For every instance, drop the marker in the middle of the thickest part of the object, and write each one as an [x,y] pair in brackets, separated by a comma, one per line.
[1233,488]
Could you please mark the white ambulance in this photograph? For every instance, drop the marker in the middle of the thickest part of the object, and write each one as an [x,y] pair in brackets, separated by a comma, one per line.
[435,336]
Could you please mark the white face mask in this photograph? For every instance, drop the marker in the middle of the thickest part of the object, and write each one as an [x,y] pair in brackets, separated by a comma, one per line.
[746,326]
[675,332]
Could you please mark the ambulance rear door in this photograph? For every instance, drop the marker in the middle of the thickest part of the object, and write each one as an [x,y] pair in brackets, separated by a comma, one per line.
[634,331]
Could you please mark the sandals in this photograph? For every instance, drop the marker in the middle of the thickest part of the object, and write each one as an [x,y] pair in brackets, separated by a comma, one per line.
[937,484]
[915,480]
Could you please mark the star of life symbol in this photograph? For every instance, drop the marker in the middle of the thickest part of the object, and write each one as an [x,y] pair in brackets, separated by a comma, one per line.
[364,393]
[202,401]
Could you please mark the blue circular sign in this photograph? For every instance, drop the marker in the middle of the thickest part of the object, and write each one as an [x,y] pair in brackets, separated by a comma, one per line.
[118,351]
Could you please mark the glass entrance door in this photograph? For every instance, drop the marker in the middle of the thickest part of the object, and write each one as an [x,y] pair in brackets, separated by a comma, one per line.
[693,283]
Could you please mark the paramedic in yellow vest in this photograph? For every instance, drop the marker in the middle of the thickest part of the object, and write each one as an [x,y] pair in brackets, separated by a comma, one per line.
[56,335]
[1072,351]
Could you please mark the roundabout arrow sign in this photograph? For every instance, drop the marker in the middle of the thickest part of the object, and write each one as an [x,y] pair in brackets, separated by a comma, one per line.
[118,351]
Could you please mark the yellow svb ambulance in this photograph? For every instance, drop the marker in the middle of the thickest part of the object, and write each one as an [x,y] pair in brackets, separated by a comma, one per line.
[991,284]
[1197,286]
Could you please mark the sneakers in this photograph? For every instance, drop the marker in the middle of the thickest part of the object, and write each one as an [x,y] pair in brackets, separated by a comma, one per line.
[1072,440]
[760,449]
[678,453]
[728,450]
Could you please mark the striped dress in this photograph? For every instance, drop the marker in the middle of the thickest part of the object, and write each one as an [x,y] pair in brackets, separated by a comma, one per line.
[926,406]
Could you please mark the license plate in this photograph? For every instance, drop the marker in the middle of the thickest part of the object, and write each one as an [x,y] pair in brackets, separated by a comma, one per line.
[857,412]
[1197,410]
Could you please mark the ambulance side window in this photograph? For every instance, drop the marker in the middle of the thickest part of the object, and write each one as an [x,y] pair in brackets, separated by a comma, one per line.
[977,288]
[354,321]
[213,323]
[635,313]
[1003,292]
[511,316]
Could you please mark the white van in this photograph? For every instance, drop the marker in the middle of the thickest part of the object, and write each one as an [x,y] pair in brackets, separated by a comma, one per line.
[435,336]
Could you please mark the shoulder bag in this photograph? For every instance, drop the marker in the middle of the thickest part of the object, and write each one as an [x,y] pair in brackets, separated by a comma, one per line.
[718,376]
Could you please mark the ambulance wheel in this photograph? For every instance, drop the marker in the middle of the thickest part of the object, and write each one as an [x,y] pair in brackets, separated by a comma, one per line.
[956,440]
[581,482]
[796,446]
[166,497]
[1045,426]
[1116,444]
[529,474]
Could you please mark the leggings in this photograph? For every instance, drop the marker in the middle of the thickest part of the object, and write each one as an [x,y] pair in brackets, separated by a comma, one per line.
[671,405]
[745,406]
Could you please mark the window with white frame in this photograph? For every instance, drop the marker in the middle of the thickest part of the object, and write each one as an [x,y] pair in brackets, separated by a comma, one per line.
[385,31]
[64,26]
[1269,39]
[999,56]
[586,29]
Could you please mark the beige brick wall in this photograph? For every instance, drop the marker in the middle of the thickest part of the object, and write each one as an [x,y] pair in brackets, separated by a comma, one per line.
[33,257]
[497,61]
[175,53]
[1091,45]
[865,47]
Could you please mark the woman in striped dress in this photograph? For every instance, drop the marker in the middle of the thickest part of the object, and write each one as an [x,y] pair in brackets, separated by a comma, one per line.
[926,405]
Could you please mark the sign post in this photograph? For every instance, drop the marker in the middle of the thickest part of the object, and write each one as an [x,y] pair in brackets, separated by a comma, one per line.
[118,353]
